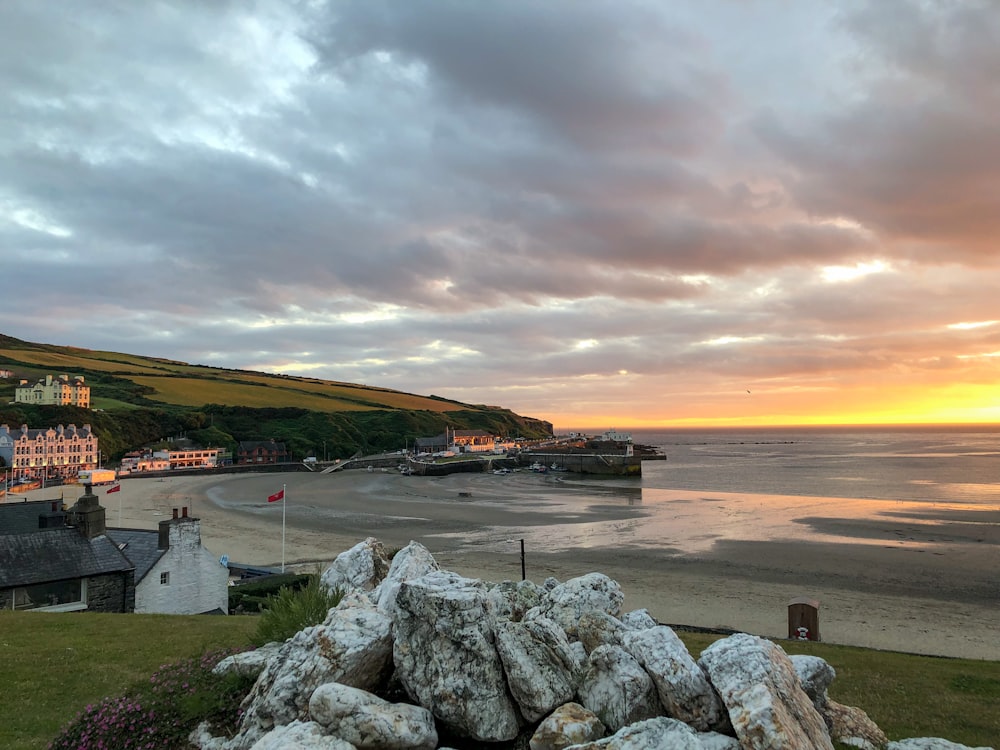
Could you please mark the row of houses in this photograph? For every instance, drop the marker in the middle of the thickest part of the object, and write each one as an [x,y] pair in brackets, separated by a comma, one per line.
[256,452]
[69,560]
[464,441]
[52,453]
[59,454]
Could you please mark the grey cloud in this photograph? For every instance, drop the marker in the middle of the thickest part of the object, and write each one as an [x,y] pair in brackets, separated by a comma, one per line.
[511,179]
[916,157]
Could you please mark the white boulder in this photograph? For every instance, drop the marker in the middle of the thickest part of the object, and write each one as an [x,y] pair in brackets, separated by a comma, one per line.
[616,688]
[362,567]
[681,685]
[370,723]
[541,667]
[761,690]
[446,660]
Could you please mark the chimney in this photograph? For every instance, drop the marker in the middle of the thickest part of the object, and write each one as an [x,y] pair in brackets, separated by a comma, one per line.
[163,541]
[184,512]
[87,515]
[175,514]
[52,519]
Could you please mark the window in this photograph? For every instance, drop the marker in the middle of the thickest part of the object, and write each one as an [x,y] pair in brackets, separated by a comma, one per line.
[60,596]
[165,579]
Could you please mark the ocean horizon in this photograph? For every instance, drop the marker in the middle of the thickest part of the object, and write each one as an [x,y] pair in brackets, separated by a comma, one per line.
[926,463]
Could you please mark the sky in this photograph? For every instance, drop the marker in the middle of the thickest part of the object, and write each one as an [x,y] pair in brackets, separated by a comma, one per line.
[607,213]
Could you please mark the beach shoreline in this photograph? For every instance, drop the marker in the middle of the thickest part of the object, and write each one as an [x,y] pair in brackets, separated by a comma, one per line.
[913,595]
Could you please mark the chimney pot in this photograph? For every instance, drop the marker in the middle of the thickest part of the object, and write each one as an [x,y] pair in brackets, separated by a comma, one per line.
[184,511]
[175,512]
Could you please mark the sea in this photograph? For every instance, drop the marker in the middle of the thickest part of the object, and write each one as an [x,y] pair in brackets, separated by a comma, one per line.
[916,487]
[922,464]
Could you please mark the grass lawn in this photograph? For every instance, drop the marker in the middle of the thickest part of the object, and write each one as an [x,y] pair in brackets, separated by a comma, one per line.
[55,664]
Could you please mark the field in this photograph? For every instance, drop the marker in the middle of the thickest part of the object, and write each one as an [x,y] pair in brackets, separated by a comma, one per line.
[55,664]
[182,384]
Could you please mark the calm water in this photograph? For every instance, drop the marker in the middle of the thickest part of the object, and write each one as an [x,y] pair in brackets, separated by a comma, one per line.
[911,486]
[915,464]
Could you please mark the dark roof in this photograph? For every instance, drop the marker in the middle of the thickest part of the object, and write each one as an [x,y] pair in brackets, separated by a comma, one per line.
[22,518]
[56,555]
[249,445]
[141,547]
[441,439]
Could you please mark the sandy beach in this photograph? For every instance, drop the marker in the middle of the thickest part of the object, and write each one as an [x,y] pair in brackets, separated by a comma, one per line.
[905,577]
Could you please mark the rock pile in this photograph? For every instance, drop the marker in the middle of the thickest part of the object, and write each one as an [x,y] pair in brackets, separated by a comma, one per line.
[419,658]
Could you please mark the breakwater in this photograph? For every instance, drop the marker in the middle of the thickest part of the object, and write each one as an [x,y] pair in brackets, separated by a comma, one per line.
[584,462]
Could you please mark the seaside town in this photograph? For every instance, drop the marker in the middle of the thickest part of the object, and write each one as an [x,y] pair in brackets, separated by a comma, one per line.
[62,460]
[65,549]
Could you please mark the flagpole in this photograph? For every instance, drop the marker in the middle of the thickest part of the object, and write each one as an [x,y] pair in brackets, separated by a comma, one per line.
[284,502]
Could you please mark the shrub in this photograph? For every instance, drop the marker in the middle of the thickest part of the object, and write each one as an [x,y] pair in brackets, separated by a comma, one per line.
[162,712]
[289,611]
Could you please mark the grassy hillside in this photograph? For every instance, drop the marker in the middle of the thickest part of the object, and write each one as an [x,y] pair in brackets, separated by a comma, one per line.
[163,381]
[146,399]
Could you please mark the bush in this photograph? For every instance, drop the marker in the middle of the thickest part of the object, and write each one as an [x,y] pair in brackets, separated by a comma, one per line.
[164,711]
[289,611]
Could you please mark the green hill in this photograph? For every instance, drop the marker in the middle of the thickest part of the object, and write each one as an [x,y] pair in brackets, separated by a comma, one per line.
[141,400]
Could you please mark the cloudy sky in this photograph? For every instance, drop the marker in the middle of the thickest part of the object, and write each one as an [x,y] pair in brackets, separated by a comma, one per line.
[612,213]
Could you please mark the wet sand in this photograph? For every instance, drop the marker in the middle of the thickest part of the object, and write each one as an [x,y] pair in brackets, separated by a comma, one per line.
[913,577]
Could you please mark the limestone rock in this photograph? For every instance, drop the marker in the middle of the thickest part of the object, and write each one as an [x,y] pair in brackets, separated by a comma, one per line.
[362,567]
[617,688]
[352,646]
[681,685]
[541,667]
[508,600]
[761,690]
[413,561]
[852,726]
[930,743]
[846,724]
[639,619]
[567,602]
[249,663]
[569,724]
[300,735]
[370,723]
[815,675]
[599,629]
[661,733]
[446,660]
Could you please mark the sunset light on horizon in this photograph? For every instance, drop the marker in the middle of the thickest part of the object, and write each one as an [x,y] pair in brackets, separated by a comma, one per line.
[631,214]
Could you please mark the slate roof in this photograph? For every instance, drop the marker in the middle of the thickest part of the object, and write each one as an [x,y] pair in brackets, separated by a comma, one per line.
[249,445]
[56,555]
[22,517]
[141,547]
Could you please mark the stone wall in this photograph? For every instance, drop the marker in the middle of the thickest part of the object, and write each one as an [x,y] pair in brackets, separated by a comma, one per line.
[113,592]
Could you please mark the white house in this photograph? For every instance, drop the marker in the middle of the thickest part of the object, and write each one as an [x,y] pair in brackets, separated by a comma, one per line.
[174,574]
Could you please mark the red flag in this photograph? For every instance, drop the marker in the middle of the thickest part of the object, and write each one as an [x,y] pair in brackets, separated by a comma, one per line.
[116,488]
[279,495]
